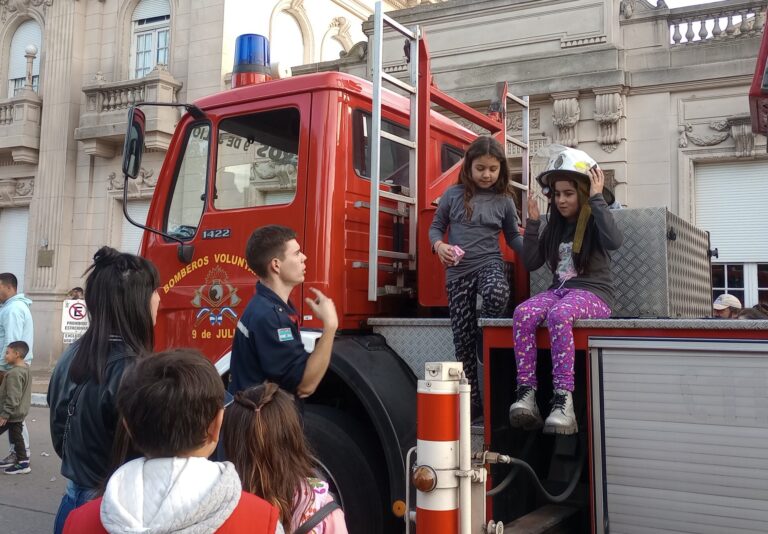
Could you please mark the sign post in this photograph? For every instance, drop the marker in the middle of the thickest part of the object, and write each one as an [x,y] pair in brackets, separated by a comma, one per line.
[74,320]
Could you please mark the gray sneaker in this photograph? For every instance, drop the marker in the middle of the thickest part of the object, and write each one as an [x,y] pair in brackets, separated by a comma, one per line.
[562,419]
[525,412]
[8,461]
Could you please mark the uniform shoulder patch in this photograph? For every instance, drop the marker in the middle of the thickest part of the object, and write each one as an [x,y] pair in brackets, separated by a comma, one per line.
[284,334]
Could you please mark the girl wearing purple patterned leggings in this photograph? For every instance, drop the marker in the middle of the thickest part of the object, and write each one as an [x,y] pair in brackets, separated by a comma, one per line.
[574,244]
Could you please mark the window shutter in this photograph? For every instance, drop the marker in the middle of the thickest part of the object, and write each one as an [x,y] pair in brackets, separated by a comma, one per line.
[26,34]
[13,242]
[148,9]
[731,200]
[130,237]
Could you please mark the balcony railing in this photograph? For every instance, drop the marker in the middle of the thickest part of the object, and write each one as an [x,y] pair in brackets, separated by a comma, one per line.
[20,127]
[718,21]
[104,121]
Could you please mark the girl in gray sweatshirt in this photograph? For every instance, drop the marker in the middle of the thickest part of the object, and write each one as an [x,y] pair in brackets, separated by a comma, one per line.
[473,213]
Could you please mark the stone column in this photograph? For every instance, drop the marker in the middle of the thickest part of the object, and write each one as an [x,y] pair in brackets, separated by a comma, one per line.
[50,219]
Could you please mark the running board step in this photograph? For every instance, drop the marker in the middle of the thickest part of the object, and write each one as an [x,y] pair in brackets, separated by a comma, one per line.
[549,519]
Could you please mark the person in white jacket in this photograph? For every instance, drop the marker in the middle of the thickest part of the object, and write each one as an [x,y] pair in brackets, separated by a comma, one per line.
[15,325]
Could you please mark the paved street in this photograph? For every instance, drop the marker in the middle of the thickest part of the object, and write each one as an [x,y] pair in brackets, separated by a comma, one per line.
[28,503]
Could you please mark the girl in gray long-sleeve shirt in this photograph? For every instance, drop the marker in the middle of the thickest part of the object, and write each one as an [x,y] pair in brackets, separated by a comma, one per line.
[474,212]
[575,245]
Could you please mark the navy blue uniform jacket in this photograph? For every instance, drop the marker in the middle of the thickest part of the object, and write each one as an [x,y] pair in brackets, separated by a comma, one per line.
[267,344]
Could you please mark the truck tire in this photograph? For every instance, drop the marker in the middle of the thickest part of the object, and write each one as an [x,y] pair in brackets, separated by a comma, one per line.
[340,447]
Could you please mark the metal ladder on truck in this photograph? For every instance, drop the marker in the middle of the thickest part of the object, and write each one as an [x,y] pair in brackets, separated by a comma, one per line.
[406,203]
[422,94]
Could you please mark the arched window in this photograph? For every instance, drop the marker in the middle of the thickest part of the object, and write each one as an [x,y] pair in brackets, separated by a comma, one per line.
[331,49]
[151,36]
[28,33]
[287,44]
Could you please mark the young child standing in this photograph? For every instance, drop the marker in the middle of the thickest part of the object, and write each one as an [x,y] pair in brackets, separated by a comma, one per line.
[263,437]
[574,244]
[15,399]
[473,212]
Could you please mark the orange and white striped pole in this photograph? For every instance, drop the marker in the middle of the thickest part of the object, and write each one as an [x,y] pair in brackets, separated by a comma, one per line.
[437,450]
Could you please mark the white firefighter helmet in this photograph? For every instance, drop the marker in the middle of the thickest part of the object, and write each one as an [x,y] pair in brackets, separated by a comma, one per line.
[563,162]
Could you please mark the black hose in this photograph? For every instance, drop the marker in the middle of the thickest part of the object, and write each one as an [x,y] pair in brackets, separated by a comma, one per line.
[552,498]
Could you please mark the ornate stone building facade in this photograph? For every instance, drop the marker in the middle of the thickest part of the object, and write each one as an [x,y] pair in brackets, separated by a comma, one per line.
[73,68]
[658,96]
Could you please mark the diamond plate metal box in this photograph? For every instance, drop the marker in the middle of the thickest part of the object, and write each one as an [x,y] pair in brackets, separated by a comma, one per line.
[661,270]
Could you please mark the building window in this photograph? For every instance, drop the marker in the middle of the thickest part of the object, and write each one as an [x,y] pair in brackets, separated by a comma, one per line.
[748,282]
[287,43]
[28,33]
[728,278]
[151,36]
[762,283]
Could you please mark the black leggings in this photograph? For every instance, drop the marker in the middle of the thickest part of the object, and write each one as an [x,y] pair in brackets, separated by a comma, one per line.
[491,283]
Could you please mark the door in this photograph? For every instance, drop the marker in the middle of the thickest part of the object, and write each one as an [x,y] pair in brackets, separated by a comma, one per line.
[253,175]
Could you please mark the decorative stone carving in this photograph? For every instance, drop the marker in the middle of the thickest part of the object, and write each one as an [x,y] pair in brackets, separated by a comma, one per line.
[471,126]
[686,134]
[359,51]
[339,29]
[7,189]
[565,117]
[743,138]
[515,120]
[22,6]
[609,111]
[739,127]
[583,41]
[141,187]
[16,191]
[627,8]
[25,187]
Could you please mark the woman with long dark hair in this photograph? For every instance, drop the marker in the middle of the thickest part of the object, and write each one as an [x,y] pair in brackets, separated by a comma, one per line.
[263,437]
[122,300]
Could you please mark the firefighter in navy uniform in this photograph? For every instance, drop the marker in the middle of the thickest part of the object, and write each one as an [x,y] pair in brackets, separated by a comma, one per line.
[267,343]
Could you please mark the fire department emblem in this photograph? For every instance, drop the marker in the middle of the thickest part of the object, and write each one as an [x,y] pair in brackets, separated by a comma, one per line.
[216,298]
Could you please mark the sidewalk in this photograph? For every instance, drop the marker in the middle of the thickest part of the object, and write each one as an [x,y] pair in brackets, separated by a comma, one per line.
[41,376]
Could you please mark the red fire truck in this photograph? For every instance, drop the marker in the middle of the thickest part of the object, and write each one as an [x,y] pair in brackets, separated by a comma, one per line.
[670,435]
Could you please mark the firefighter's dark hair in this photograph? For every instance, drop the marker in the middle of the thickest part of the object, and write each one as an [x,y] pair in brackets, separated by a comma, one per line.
[118,295]
[265,244]
[9,279]
[20,347]
[168,401]
[483,146]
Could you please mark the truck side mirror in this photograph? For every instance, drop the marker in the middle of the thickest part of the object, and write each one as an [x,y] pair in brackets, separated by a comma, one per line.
[134,142]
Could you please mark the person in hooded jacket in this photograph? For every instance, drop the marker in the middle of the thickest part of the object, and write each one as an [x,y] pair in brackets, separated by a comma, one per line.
[122,302]
[172,406]
[15,325]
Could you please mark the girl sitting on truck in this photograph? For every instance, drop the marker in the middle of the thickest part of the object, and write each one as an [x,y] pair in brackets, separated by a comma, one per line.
[574,244]
[473,212]
[262,435]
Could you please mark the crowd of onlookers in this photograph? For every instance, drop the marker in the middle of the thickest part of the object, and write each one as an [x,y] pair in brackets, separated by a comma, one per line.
[138,432]
[727,306]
